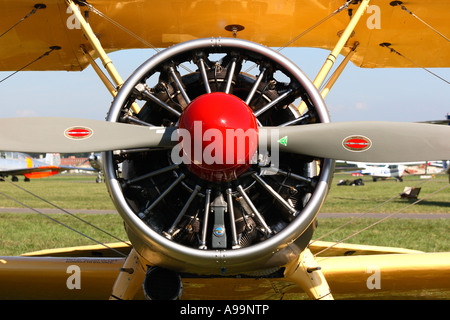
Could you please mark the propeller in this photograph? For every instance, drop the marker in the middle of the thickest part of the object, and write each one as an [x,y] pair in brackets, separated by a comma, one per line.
[257,224]
[72,135]
[367,141]
[351,141]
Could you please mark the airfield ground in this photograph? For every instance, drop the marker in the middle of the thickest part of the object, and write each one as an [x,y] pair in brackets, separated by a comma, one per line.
[423,226]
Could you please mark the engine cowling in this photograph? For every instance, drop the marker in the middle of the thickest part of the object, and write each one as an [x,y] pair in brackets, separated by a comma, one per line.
[184,208]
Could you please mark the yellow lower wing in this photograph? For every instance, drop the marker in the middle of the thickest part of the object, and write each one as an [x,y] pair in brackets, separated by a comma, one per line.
[403,275]
[352,271]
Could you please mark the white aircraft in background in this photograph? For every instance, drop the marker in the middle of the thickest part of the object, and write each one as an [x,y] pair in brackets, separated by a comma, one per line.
[394,170]
[95,160]
[17,163]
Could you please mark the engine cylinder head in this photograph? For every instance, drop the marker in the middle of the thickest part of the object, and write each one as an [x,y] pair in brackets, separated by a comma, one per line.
[253,214]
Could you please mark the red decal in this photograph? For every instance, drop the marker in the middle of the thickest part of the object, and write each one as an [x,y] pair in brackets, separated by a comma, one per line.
[357,143]
[78,133]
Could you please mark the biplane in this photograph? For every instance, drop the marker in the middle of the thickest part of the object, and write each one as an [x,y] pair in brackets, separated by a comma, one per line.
[17,163]
[226,147]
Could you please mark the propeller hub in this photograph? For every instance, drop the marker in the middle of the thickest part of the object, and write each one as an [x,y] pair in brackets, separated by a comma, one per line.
[220,136]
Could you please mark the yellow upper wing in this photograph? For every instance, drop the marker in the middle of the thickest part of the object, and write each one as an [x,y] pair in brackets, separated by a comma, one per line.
[271,22]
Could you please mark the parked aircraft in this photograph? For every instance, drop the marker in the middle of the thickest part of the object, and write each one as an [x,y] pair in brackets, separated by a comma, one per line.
[17,163]
[392,170]
[95,160]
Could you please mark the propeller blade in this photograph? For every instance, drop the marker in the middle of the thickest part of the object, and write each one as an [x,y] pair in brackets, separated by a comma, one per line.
[72,135]
[366,141]
[349,141]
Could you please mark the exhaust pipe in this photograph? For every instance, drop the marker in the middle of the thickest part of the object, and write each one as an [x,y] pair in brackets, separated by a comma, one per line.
[162,284]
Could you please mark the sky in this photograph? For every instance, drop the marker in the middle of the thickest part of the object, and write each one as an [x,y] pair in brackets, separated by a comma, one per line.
[394,94]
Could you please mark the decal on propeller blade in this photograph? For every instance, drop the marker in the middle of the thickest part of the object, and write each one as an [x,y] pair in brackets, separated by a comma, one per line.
[283,141]
[78,133]
[357,143]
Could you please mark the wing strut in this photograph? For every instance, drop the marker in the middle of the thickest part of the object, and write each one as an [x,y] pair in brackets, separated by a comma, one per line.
[96,45]
[100,73]
[337,49]
[338,71]
[308,275]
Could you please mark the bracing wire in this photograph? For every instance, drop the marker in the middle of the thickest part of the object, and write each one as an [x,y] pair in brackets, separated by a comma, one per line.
[33,11]
[311,28]
[126,30]
[68,213]
[426,24]
[118,25]
[388,46]
[63,224]
[341,8]
[362,215]
[383,219]
[36,7]
[132,34]
[30,63]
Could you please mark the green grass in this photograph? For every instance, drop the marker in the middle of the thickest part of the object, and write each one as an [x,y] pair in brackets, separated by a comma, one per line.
[27,232]
[22,232]
[81,192]
[65,191]
[361,199]
[416,234]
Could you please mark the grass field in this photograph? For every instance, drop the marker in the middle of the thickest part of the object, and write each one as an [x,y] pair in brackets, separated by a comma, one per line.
[29,232]
[65,191]
[372,194]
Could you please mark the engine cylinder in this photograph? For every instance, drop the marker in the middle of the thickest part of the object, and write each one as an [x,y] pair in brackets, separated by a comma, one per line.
[255,213]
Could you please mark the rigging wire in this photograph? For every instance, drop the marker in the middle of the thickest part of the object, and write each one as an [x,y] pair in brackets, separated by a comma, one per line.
[126,30]
[118,25]
[303,33]
[52,48]
[132,34]
[395,3]
[63,224]
[362,214]
[382,219]
[69,213]
[35,9]
[341,8]
[388,46]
